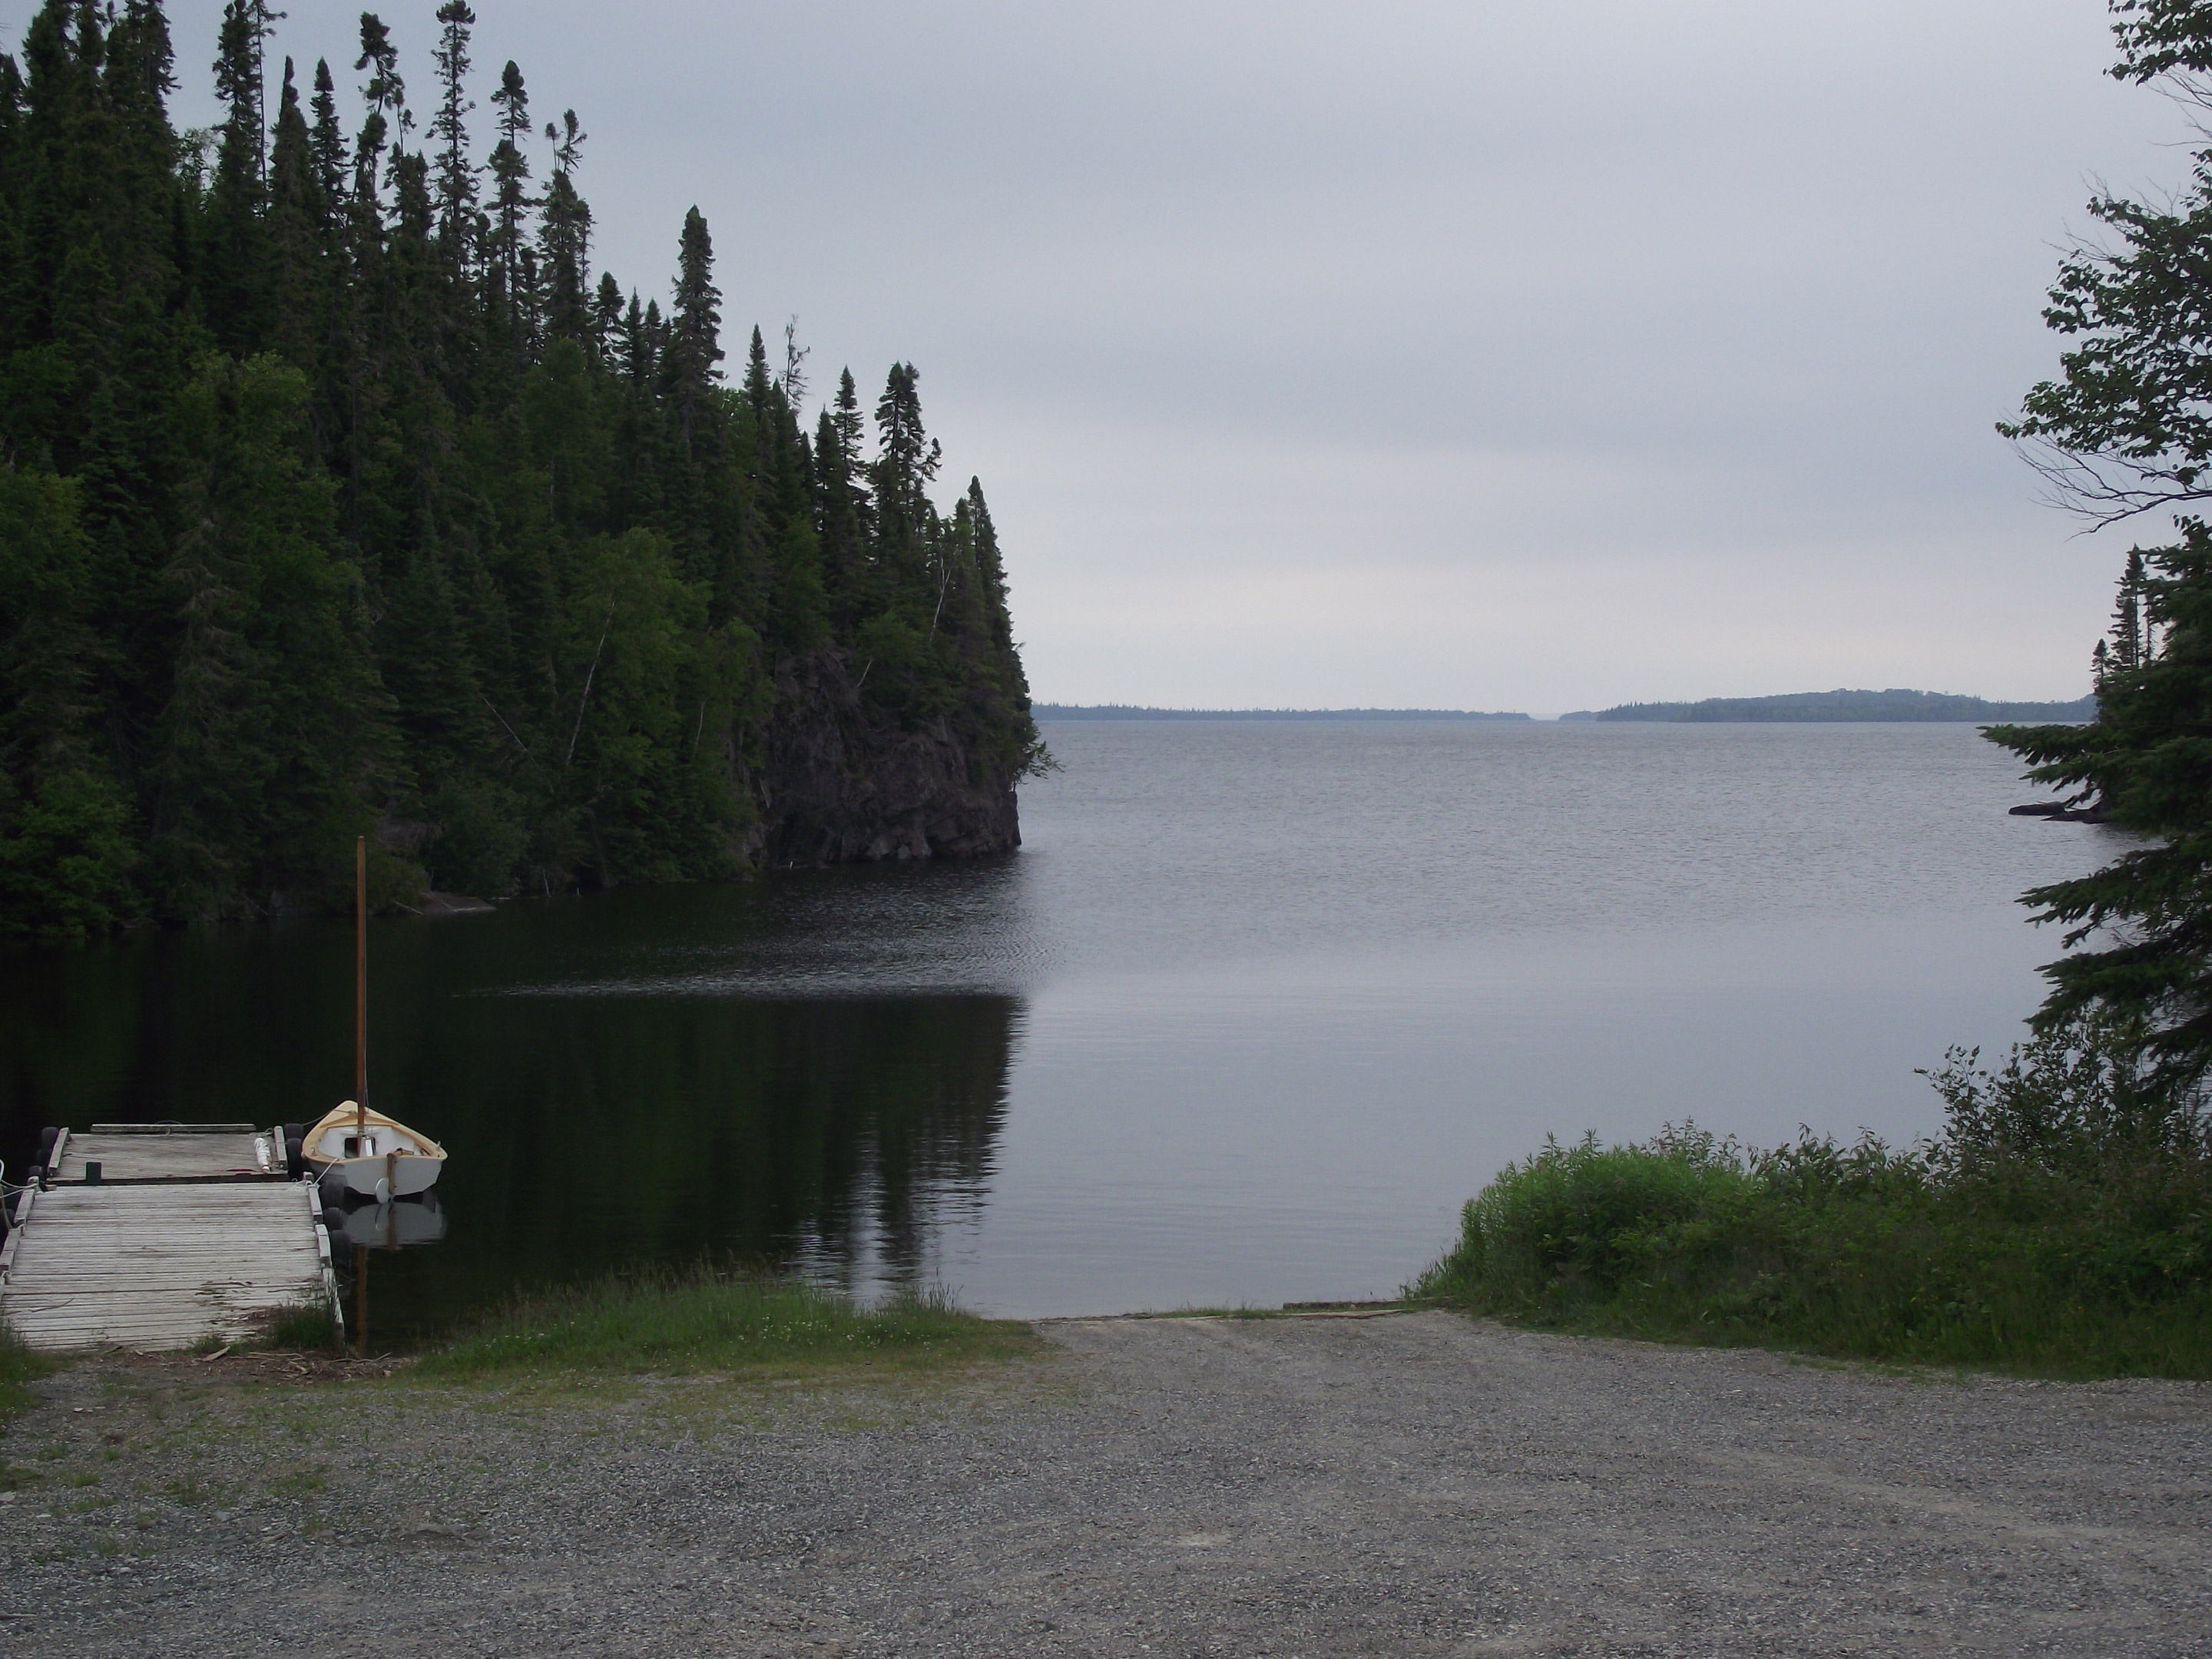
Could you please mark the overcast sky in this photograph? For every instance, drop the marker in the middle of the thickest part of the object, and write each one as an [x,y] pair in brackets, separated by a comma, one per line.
[1465,355]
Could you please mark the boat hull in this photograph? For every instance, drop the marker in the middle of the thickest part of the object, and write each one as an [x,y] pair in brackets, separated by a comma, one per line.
[401,1174]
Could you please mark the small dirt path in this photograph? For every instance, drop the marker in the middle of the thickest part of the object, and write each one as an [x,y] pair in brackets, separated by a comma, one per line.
[1412,1485]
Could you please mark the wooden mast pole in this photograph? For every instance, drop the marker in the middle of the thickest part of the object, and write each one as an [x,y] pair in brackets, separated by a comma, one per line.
[361,1066]
[360,985]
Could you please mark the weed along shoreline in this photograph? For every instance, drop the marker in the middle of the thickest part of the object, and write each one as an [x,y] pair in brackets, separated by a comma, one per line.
[2059,1226]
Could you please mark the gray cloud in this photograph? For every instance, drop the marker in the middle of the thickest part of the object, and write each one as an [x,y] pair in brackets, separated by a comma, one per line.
[1471,354]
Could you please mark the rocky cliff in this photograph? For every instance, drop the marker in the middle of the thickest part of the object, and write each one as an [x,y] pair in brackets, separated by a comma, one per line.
[837,780]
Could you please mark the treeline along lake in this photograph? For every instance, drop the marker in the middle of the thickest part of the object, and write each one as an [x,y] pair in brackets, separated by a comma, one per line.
[339,495]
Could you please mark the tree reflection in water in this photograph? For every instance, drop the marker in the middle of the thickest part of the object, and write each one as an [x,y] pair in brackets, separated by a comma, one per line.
[592,1125]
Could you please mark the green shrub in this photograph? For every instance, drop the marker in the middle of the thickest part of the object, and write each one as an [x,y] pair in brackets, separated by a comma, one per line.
[2062,1224]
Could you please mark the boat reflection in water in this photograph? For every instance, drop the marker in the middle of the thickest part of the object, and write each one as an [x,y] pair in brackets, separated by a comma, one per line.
[357,1229]
[394,1226]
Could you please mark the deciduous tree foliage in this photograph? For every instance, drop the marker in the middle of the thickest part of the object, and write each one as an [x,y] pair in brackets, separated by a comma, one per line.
[336,497]
[2126,430]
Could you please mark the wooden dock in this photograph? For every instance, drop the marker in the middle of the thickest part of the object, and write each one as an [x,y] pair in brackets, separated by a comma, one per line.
[167,1152]
[154,1237]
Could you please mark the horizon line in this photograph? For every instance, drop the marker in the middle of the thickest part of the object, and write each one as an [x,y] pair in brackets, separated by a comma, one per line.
[1634,703]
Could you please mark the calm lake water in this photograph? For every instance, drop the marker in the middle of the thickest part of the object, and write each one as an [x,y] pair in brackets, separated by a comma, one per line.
[1256,1009]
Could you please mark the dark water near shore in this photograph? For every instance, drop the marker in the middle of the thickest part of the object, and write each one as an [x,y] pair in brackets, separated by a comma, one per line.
[1254,1011]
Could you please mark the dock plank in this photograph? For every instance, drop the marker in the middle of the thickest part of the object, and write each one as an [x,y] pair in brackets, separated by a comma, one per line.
[161,1266]
[188,1154]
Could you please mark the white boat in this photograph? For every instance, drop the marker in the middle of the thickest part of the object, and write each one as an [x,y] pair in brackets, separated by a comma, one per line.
[365,1152]
[374,1156]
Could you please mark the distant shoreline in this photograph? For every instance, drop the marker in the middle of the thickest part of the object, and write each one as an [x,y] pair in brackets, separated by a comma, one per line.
[1893,707]
[1117,711]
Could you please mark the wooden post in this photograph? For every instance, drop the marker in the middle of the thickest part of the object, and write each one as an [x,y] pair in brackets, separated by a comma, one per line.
[361,1068]
[359,988]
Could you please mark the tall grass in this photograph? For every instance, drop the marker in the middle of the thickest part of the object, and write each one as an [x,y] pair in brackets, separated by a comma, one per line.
[304,1328]
[19,1369]
[2061,1226]
[711,1319]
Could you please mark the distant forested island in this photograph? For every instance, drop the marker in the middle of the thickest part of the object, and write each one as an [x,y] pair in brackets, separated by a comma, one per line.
[1120,711]
[1870,705]
[338,497]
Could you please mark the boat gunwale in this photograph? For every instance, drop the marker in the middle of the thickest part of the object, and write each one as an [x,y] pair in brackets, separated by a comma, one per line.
[347,1114]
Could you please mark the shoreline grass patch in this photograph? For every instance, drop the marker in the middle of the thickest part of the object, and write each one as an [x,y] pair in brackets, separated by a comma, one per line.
[19,1368]
[305,1327]
[2060,1226]
[710,1319]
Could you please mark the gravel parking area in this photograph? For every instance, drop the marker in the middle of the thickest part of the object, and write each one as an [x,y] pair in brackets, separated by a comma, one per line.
[1410,1484]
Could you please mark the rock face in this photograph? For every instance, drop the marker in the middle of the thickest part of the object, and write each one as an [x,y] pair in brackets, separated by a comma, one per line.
[2059,812]
[846,784]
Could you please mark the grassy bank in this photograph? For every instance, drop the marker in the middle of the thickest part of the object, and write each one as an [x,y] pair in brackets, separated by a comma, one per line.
[708,1320]
[2062,1226]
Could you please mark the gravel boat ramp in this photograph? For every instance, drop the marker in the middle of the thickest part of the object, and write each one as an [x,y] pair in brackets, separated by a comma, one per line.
[1411,1484]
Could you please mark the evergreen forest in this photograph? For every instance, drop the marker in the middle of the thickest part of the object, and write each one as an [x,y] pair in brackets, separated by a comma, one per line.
[339,496]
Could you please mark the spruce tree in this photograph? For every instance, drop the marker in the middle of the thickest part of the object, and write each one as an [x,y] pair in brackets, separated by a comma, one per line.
[511,203]
[2129,645]
[2125,430]
[565,236]
[696,327]
[838,522]
[233,260]
[299,237]
[992,570]
[636,349]
[327,138]
[385,91]
[457,174]
[852,430]
[262,20]
[907,459]
[793,381]
[606,316]
[758,386]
